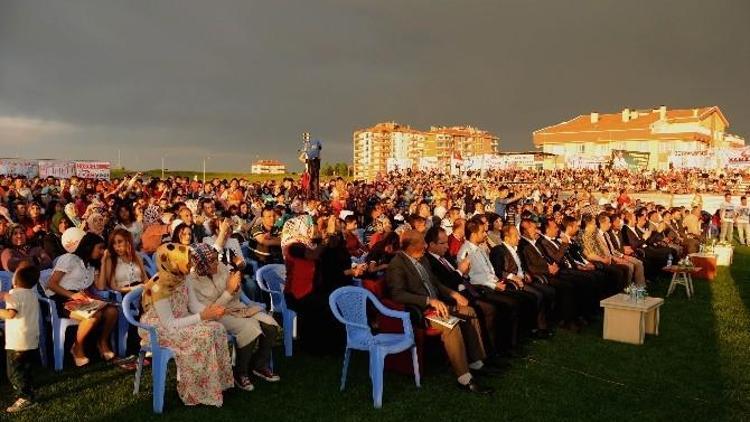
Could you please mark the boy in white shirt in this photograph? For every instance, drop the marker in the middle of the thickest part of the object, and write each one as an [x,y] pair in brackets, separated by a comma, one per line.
[21,316]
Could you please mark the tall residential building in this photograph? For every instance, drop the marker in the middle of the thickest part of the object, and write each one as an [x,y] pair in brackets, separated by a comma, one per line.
[592,137]
[405,147]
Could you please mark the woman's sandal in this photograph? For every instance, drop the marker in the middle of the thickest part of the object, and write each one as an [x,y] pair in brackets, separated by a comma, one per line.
[79,362]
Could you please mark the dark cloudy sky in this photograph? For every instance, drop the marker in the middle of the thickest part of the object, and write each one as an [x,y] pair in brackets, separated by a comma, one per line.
[238,79]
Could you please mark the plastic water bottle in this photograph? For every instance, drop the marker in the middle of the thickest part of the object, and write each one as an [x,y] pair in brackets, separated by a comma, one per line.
[669,261]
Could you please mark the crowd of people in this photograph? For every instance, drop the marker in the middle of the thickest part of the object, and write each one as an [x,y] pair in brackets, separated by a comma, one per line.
[515,255]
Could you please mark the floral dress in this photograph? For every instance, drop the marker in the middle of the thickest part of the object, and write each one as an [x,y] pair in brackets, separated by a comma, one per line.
[201,353]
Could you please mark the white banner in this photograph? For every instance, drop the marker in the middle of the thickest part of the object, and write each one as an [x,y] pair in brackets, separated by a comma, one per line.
[92,169]
[14,167]
[57,169]
[398,164]
[428,163]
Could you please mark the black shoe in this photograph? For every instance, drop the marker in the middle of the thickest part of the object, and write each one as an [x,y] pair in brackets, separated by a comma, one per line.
[486,371]
[473,387]
[542,334]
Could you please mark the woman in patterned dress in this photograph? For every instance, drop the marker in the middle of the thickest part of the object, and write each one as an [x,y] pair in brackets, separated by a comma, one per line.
[199,342]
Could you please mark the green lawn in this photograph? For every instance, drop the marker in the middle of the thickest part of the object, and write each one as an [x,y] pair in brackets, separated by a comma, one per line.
[697,369]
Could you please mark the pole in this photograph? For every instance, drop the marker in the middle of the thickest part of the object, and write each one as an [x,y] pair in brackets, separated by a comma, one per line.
[162,167]
[204,170]
[119,162]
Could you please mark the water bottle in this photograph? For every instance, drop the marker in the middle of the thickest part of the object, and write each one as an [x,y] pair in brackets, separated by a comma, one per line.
[669,261]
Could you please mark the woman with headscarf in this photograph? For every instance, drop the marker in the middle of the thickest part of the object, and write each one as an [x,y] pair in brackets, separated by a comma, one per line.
[74,274]
[198,340]
[212,282]
[18,250]
[153,229]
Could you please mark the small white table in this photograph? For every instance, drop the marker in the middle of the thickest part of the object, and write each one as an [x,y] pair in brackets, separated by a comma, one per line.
[628,321]
[682,276]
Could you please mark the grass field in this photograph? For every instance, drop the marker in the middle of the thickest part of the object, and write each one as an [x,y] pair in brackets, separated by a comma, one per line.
[697,369]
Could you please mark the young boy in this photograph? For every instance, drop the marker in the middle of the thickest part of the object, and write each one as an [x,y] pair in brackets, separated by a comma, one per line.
[21,315]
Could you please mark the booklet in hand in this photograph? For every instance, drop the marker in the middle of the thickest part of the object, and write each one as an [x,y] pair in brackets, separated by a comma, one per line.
[448,322]
[83,309]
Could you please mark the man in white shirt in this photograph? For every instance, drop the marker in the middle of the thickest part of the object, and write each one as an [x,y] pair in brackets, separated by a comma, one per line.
[727,215]
[743,221]
[512,290]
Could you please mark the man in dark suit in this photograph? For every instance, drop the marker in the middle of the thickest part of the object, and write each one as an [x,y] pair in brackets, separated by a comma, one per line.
[636,234]
[410,281]
[545,275]
[507,267]
[500,320]
[574,252]
[587,277]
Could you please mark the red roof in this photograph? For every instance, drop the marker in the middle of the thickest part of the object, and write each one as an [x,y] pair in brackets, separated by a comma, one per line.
[611,126]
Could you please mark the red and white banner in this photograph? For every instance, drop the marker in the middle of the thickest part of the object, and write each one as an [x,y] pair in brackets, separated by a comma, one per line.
[57,169]
[93,169]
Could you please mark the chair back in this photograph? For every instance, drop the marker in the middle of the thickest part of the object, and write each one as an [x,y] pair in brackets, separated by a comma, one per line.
[129,308]
[6,283]
[44,277]
[271,279]
[148,264]
[349,306]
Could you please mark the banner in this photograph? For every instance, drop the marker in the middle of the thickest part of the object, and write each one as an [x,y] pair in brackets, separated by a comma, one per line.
[629,160]
[693,159]
[738,158]
[92,169]
[57,169]
[428,163]
[585,162]
[17,167]
[397,164]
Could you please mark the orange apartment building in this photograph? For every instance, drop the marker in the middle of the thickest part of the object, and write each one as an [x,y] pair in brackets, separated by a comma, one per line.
[658,131]
[374,146]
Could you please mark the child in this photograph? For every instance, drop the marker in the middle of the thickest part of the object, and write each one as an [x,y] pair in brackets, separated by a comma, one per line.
[21,315]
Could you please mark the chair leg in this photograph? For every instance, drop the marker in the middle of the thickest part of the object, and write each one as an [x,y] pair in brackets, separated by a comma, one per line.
[58,343]
[138,372]
[159,366]
[376,373]
[122,335]
[288,332]
[347,356]
[43,350]
[415,364]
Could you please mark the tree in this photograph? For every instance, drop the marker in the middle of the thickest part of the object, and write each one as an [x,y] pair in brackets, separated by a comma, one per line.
[342,169]
[327,170]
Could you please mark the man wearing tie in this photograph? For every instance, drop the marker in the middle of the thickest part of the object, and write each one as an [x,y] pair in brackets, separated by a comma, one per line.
[612,229]
[546,277]
[500,319]
[410,281]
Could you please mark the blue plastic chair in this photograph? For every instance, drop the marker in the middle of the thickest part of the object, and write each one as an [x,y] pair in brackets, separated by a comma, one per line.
[6,283]
[160,356]
[59,329]
[43,347]
[271,279]
[349,305]
[148,264]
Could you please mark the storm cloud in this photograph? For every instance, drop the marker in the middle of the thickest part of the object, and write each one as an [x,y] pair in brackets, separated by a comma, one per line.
[236,80]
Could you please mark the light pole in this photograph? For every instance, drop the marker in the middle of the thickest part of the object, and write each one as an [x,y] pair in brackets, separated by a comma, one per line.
[204,168]
[162,167]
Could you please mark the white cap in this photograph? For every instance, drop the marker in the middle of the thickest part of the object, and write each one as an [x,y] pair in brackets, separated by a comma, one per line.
[345,213]
[72,238]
